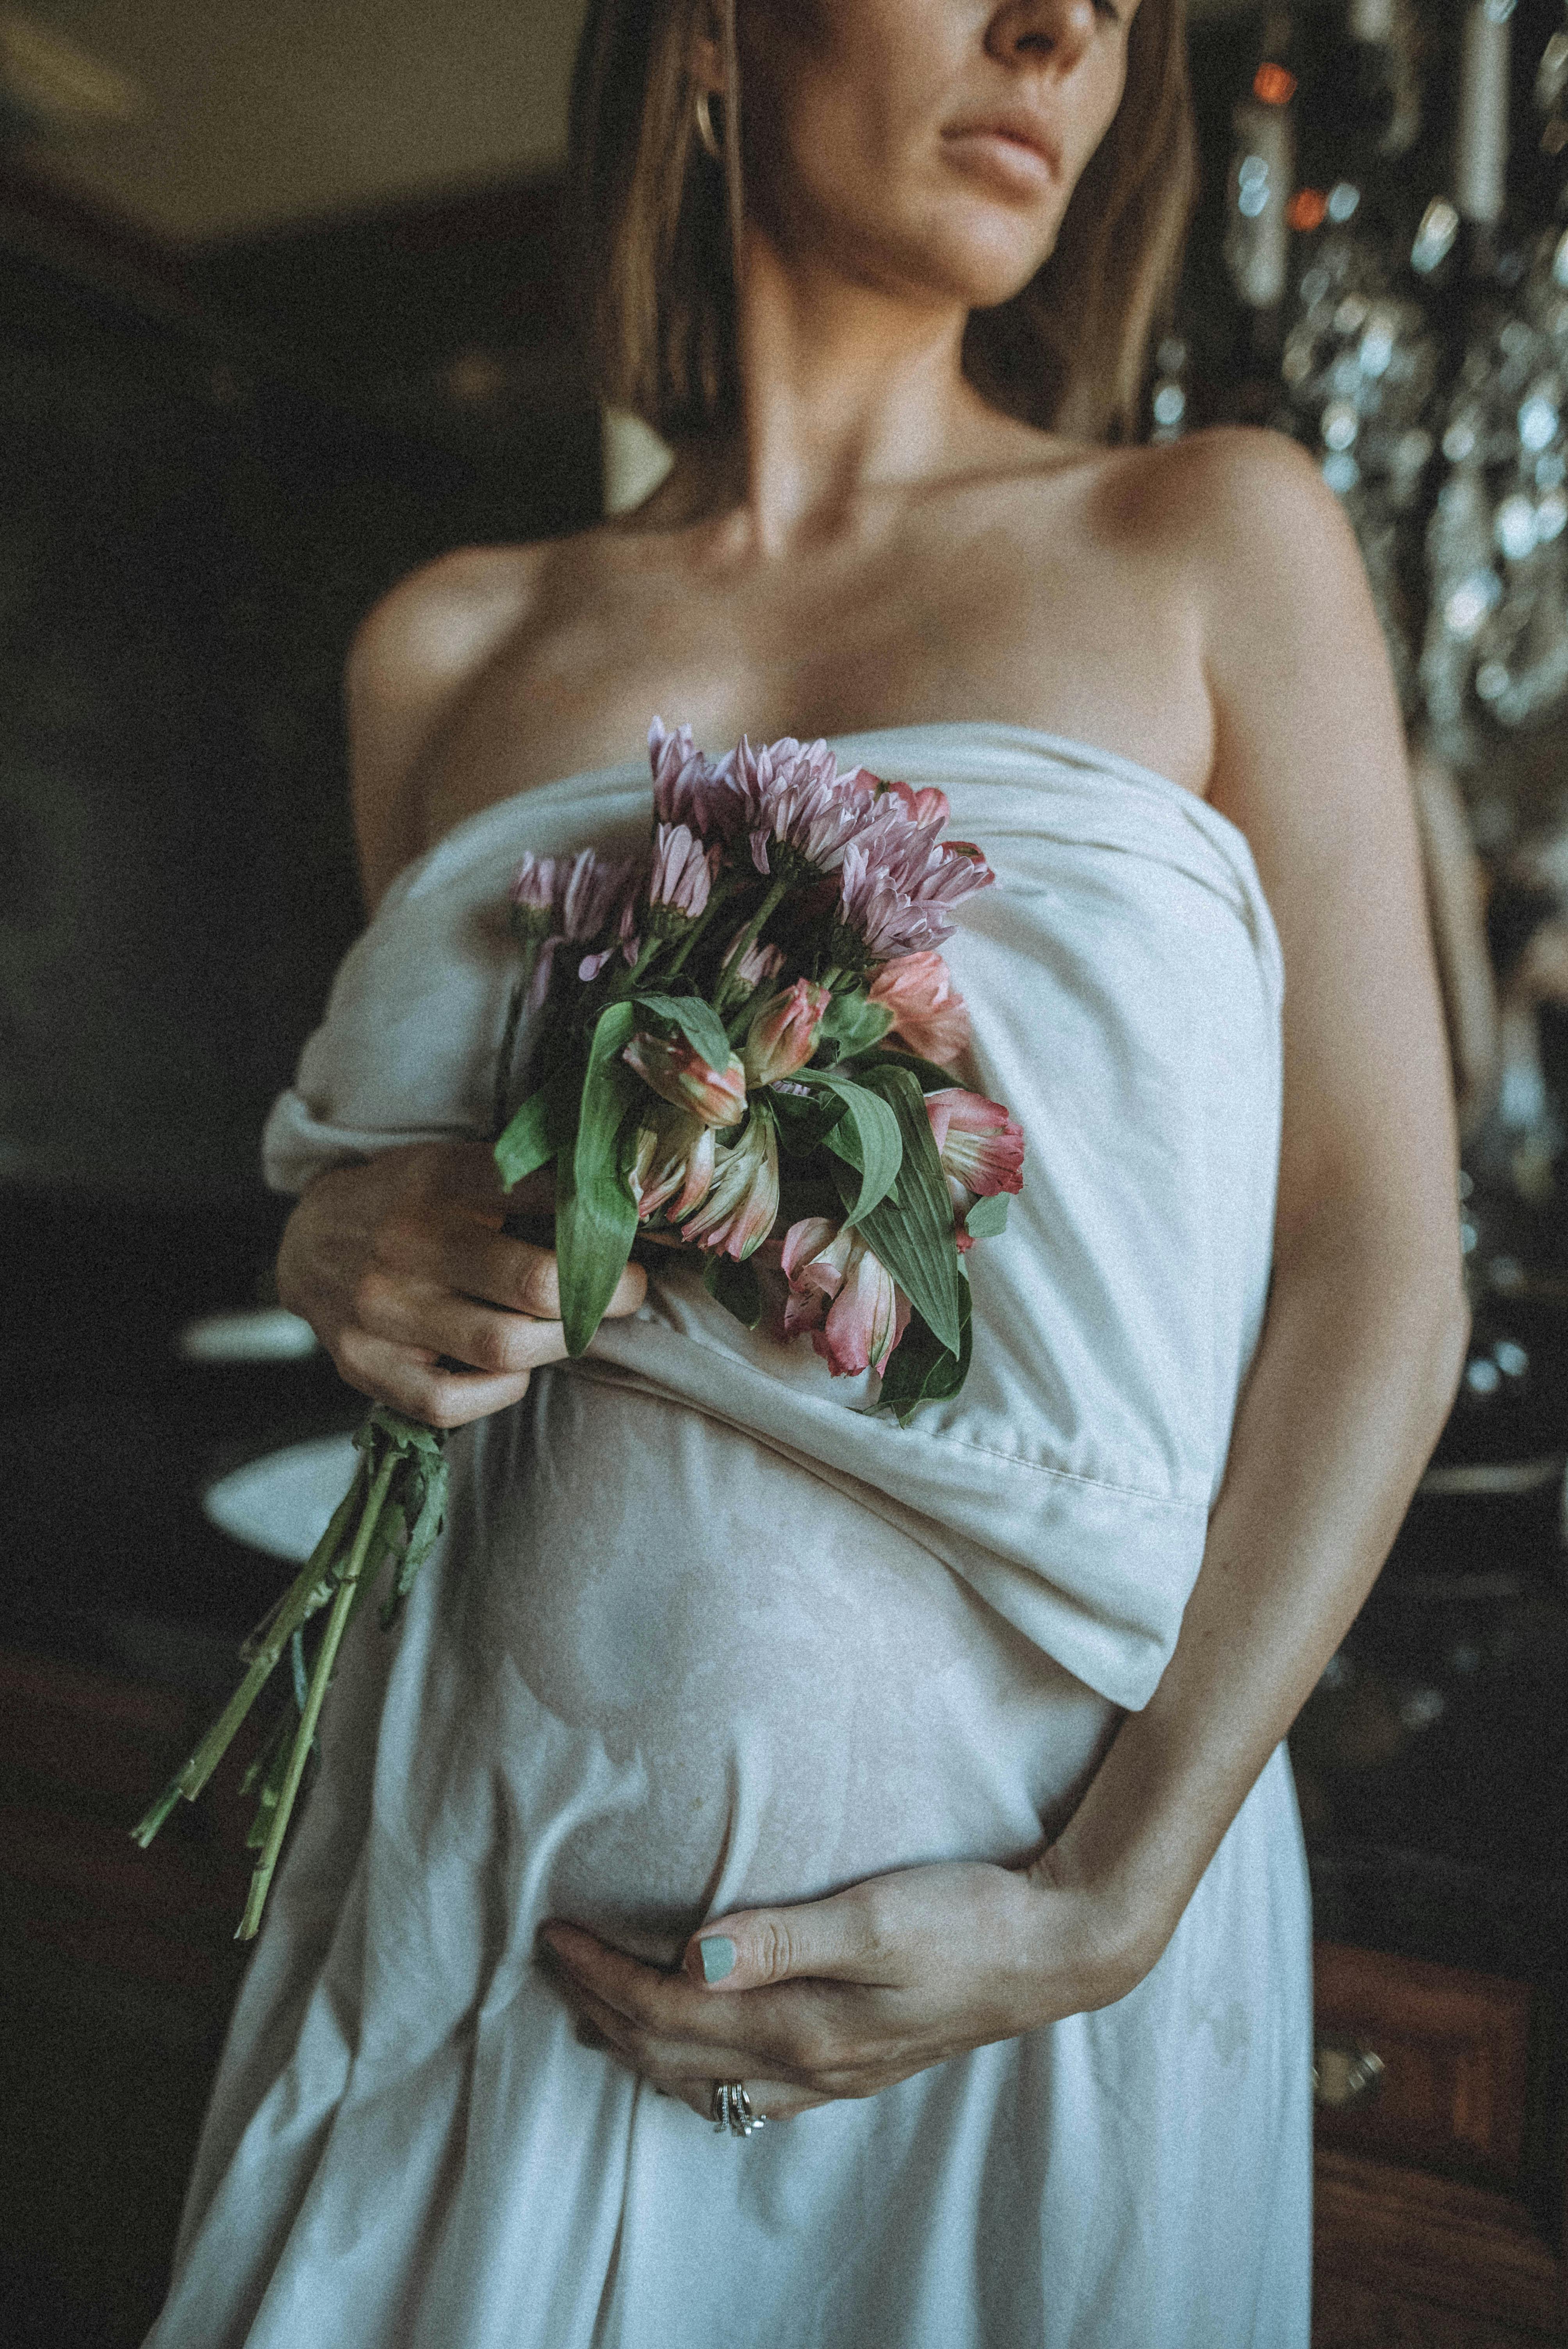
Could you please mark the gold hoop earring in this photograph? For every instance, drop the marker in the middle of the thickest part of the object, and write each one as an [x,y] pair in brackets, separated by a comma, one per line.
[703,109]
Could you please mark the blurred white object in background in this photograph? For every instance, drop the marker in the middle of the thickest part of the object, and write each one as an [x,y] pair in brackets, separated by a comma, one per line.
[282,1503]
[263,1334]
[635,460]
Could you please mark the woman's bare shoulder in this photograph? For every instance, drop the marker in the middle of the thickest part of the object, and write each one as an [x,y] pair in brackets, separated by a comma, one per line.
[414,658]
[438,625]
[1228,489]
[1242,508]
[1274,565]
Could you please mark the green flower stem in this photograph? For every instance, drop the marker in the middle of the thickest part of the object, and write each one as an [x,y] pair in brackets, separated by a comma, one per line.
[311,1590]
[746,940]
[718,896]
[326,1655]
[508,1053]
[627,981]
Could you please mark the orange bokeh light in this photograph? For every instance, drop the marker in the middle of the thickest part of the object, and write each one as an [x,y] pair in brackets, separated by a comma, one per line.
[1274,84]
[1307,209]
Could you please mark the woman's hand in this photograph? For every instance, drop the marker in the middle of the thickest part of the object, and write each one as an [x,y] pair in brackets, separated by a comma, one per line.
[845,1996]
[401,1267]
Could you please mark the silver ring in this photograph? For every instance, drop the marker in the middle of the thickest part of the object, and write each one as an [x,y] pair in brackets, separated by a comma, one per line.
[731,2109]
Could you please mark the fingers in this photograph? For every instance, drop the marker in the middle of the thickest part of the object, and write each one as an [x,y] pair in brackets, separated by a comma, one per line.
[834,1939]
[514,1274]
[426,1319]
[679,2068]
[812,2034]
[772,2100]
[666,2061]
[408,1379]
[402,1267]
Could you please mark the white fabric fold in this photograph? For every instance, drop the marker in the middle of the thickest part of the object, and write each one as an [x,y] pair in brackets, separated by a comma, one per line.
[1124,982]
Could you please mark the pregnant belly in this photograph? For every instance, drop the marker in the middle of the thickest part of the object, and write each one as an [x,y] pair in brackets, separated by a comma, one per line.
[721,1681]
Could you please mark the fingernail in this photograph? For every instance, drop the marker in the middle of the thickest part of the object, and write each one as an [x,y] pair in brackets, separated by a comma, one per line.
[717,1955]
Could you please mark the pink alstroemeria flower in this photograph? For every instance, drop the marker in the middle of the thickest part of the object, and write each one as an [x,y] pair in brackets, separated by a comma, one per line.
[672,1164]
[690,788]
[783,1032]
[682,877]
[683,1078]
[926,809]
[979,1143]
[929,1014]
[739,1211]
[842,1296]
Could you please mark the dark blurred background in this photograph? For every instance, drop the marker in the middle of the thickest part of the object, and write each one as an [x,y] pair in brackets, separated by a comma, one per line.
[285,308]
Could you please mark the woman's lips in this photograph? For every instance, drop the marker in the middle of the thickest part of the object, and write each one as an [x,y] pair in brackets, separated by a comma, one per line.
[1011,159]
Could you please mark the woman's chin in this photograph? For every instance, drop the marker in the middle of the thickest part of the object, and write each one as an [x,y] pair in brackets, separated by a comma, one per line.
[987,272]
[985,251]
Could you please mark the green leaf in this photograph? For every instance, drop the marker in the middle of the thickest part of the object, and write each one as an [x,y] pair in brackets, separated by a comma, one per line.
[737,1288]
[914,1238]
[922,1369]
[867,1137]
[595,1214]
[423,1501]
[539,1129]
[403,1433]
[854,1024]
[699,1022]
[986,1217]
[932,1079]
[804,1123]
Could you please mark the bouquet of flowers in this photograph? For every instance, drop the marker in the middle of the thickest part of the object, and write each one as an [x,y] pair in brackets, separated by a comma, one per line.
[736,1051]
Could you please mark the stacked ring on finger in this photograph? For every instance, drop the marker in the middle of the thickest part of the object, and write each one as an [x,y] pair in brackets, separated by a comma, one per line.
[732,2109]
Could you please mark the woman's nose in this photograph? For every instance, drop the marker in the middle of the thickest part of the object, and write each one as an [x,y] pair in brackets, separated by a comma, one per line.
[1027,32]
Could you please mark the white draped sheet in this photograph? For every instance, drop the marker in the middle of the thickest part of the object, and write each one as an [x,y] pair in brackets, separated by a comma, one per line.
[1123,976]
[706,1630]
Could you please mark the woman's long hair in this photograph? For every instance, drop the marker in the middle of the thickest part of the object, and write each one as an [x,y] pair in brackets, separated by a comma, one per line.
[659,227]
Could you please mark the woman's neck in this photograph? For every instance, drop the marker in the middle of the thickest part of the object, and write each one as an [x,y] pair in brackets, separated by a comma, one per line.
[846,388]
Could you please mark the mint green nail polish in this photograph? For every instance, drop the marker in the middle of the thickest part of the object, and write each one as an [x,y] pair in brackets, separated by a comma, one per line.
[718,1954]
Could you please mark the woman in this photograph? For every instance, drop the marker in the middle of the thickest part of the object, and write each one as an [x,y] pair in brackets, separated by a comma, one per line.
[979,1800]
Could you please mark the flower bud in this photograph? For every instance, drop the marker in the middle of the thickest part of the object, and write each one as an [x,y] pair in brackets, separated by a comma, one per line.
[682,1077]
[681,879]
[783,1032]
[532,892]
[757,966]
[928,1013]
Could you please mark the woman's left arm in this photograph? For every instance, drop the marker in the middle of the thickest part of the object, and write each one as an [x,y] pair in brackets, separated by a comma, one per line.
[1355,1374]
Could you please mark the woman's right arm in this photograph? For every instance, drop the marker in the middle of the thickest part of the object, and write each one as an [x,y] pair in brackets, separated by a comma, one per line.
[400,1265]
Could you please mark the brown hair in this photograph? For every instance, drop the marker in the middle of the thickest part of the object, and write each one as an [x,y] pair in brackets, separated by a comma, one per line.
[659,226]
